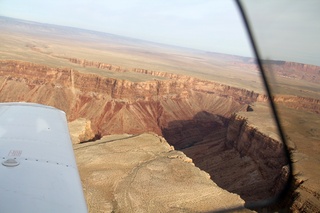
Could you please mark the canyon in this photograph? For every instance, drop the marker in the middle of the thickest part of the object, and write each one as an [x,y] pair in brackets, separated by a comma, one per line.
[197,117]
[143,173]
[183,130]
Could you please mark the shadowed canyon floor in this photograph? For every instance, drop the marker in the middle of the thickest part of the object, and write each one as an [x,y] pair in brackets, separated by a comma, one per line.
[117,89]
[195,116]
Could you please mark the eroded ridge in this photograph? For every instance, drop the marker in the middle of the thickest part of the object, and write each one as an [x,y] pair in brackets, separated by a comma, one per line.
[194,116]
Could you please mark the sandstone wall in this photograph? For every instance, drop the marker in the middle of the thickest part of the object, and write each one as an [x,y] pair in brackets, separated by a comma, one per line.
[117,106]
[239,158]
[268,154]
[250,141]
[192,114]
[301,103]
[294,70]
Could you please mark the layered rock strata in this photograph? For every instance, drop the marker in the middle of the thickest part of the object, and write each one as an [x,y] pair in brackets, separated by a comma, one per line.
[108,102]
[237,156]
[286,69]
[192,114]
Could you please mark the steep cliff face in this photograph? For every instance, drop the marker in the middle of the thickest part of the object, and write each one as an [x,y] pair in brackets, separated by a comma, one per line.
[238,157]
[197,84]
[267,153]
[145,174]
[284,69]
[192,114]
[301,103]
[113,105]
[294,70]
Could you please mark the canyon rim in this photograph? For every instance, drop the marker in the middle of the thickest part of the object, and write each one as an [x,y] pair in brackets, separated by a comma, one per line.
[150,126]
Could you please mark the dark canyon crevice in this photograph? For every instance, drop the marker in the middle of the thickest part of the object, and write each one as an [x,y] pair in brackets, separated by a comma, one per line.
[238,157]
[195,116]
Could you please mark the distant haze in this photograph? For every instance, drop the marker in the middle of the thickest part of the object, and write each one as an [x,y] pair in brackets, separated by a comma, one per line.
[214,26]
[288,30]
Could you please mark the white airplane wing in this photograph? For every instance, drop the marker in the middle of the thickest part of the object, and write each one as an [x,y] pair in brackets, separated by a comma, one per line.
[38,172]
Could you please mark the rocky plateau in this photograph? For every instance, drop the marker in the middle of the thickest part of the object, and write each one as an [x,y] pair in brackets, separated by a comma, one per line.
[195,116]
[157,128]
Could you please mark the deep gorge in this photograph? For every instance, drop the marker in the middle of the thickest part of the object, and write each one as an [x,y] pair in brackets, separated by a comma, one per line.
[195,116]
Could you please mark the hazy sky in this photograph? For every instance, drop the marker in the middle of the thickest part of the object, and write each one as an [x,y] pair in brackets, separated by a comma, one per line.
[286,29]
[212,25]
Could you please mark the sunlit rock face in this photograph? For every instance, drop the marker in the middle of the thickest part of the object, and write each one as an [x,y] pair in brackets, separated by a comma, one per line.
[194,116]
[143,173]
[81,131]
[115,106]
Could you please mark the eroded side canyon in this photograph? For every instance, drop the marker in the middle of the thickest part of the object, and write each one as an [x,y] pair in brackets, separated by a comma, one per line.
[193,115]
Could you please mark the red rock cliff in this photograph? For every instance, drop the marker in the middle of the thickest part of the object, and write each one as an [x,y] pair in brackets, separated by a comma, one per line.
[192,114]
[294,70]
[238,157]
[117,106]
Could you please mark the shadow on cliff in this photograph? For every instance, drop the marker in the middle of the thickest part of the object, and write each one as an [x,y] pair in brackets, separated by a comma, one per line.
[204,139]
[102,141]
[183,134]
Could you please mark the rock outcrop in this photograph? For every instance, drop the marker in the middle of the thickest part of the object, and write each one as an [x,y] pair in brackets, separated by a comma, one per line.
[143,173]
[237,156]
[108,102]
[251,143]
[81,131]
[192,114]
[300,103]
[310,73]
[286,69]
